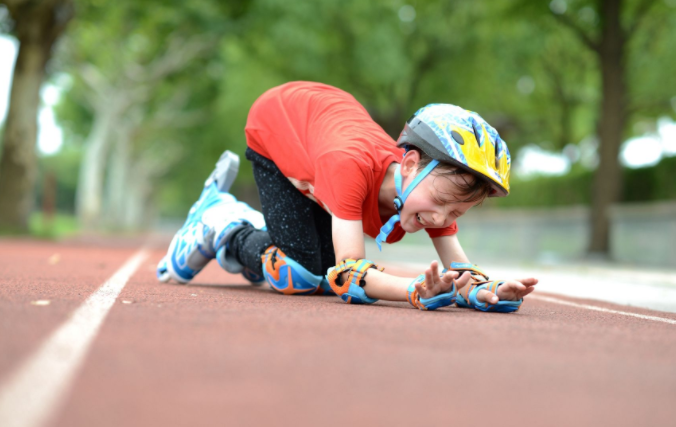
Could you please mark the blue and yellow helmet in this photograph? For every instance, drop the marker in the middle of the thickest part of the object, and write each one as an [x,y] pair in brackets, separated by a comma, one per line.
[454,135]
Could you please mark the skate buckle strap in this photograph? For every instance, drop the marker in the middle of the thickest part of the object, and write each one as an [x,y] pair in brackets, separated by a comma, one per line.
[351,290]
[429,304]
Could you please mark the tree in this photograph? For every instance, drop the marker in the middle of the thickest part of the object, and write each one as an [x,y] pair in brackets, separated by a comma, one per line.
[393,57]
[37,25]
[619,22]
[136,90]
[112,100]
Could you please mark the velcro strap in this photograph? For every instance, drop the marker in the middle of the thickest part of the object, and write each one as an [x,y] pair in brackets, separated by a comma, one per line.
[474,270]
[357,271]
[468,290]
[350,290]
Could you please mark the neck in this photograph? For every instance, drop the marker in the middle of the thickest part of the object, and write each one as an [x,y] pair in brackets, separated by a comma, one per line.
[387,193]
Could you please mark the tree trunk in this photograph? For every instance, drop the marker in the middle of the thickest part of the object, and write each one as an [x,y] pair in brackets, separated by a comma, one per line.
[608,178]
[136,203]
[92,169]
[37,27]
[119,181]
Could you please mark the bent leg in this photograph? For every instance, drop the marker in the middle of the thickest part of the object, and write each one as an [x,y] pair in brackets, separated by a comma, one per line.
[289,215]
[291,254]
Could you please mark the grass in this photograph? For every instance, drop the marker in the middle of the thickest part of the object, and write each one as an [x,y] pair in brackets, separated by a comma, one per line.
[61,225]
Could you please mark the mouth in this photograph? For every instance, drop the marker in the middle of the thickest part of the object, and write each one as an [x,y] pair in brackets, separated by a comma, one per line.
[420,221]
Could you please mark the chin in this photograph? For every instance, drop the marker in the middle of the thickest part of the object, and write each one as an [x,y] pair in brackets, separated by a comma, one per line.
[407,228]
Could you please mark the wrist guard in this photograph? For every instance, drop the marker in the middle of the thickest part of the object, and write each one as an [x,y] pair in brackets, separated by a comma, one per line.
[467,298]
[437,301]
[477,274]
[351,290]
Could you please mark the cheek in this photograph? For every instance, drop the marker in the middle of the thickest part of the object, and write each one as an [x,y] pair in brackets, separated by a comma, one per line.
[406,214]
[411,208]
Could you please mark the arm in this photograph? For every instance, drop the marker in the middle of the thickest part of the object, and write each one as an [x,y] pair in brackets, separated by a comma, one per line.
[348,242]
[449,250]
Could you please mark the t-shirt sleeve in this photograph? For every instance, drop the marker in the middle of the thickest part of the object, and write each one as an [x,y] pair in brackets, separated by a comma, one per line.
[438,232]
[342,183]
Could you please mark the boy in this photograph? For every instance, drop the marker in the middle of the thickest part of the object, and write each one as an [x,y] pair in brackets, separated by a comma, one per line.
[327,174]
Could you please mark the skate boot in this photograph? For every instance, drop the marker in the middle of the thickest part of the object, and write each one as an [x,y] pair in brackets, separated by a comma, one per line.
[211,220]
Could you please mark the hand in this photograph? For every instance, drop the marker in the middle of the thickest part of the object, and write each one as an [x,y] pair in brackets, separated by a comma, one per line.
[511,290]
[435,284]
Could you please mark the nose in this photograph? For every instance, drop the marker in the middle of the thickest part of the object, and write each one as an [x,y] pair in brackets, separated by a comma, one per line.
[438,219]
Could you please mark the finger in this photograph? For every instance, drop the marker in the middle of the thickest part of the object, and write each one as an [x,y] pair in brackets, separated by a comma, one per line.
[527,291]
[463,280]
[529,281]
[446,283]
[510,290]
[429,284]
[421,290]
[449,276]
[434,266]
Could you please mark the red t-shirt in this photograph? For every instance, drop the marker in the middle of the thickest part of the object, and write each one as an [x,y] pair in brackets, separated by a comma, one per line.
[324,141]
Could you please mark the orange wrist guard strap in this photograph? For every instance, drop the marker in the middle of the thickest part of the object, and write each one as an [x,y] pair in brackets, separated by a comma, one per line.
[351,290]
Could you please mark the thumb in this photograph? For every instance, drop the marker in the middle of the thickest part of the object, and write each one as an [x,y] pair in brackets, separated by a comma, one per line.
[422,291]
[487,296]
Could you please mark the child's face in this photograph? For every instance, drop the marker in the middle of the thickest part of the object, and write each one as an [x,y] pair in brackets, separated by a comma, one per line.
[435,202]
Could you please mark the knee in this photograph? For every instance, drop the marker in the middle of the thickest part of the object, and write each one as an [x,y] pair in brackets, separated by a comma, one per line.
[287,276]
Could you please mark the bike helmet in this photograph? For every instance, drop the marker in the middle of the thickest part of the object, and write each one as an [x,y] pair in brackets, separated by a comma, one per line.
[448,133]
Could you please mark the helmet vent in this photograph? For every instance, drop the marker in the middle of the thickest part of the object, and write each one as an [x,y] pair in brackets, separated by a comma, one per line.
[457,137]
[477,137]
[497,153]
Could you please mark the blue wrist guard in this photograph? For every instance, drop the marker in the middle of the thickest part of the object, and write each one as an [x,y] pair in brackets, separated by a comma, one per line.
[438,301]
[467,298]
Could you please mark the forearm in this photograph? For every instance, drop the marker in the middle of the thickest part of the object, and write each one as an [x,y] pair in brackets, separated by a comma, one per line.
[348,243]
[449,250]
[380,285]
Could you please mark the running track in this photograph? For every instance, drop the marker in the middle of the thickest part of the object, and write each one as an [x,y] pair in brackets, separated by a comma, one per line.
[223,353]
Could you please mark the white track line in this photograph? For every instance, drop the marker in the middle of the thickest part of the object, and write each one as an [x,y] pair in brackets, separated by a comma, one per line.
[601,309]
[30,396]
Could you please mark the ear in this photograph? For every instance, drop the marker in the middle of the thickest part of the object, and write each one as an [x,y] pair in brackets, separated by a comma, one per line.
[409,164]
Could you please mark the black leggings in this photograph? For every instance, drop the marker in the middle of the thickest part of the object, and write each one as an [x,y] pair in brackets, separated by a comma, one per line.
[295,224]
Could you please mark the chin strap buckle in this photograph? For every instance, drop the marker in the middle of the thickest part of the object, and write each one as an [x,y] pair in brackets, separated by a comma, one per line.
[398,204]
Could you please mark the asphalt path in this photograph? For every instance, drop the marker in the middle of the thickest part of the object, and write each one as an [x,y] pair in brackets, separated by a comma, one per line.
[88,337]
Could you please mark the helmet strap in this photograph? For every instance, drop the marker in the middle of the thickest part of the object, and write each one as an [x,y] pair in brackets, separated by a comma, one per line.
[400,199]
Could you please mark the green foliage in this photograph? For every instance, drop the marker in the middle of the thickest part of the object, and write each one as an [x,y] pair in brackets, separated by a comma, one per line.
[511,61]
[64,168]
[646,184]
[651,183]
[57,227]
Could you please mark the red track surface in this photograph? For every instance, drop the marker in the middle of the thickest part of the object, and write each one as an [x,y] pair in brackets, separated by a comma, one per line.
[221,352]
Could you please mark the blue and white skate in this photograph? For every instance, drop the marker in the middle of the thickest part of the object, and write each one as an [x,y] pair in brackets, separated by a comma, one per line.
[210,221]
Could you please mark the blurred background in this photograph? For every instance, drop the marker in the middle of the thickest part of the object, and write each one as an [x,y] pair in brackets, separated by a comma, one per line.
[112,113]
